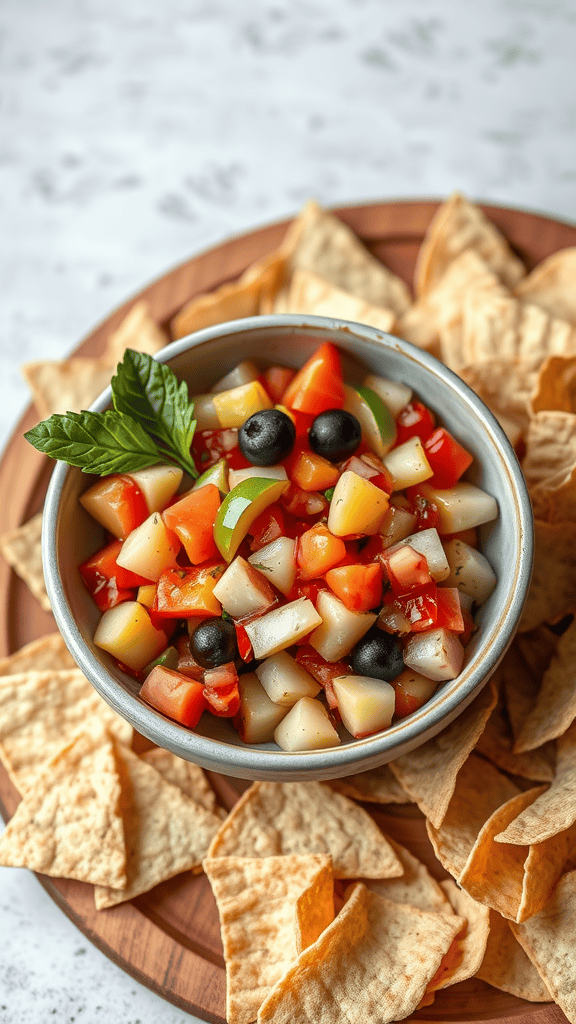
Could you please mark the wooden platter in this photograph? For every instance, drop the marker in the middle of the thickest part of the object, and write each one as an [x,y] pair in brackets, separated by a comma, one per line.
[169,938]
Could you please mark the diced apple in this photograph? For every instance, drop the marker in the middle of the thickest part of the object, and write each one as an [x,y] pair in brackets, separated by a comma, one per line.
[428,543]
[469,571]
[407,464]
[258,715]
[366,705]
[406,568]
[150,549]
[436,654]
[285,681]
[376,420]
[307,726]
[117,503]
[217,475]
[244,373]
[340,628]
[277,562]
[241,506]
[397,524]
[461,507]
[236,476]
[242,590]
[237,405]
[357,506]
[127,633]
[282,627]
[392,393]
[205,413]
[158,484]
[412,691]
[146,595]
[391,620]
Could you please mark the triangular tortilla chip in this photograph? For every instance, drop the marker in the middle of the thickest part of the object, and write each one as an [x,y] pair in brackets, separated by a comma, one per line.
[166,832]
[416,886]
[496,744]
[137,331]
[521,672]
[551,285]
[471,941]
[549,939]
[555,386]
[377,786]
[187,776]
[555,707]
[257,901]
[458,225]
[552,593]
[505,386]
[43,654]
[22,549]
[555,810]
[275,818]
[499,326]
[69,825]
[429,772]
[309,293]
[68,385]
[364,966]
[505,965]
[550,465]
[41,711]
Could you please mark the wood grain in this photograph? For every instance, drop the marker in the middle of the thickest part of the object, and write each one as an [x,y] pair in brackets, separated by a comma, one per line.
[169,938]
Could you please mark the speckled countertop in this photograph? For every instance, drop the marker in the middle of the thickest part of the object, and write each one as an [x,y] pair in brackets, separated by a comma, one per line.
[135,134]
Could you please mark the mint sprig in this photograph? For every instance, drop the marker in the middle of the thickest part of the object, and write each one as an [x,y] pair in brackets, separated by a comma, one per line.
[152,421]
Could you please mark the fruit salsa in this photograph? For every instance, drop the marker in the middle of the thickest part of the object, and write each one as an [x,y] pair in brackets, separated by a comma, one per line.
[321,573]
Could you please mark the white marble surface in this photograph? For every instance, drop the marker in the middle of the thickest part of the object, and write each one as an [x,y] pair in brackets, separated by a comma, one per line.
[135,134]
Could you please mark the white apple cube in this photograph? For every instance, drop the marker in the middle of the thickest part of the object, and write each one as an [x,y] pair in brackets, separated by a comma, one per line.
[158,484]
[341,629]
[397,524]
[357,506]
[127,633]
[244,373]
[150,549]
[285,681]
[461,507]
[407,464]
[277,562]
[366,705]
[428,543]
[436,654]
[307,726]
[282,627]
[236,476]
[258,716]
[205,413]
[469,571]
[392,393]
[242,590]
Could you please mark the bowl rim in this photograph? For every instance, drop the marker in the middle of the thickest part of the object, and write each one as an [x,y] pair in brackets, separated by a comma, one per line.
[247,761]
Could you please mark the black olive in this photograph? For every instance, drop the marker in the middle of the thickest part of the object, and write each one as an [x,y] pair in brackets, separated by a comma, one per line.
[335,434]
[377,654]
[267,437]
[213,643]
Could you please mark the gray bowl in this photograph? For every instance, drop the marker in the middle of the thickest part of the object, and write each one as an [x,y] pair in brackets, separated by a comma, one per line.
[70,536]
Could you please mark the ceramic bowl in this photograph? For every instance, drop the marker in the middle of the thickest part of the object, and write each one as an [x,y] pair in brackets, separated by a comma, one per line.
[70,536]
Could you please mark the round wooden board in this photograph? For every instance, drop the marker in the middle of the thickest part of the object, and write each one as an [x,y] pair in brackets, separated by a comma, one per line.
[169,938]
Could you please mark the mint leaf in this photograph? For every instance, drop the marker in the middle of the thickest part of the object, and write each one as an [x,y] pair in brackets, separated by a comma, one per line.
[149,392]
[96,442]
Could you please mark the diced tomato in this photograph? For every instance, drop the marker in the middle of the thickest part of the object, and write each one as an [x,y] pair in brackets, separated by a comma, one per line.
[188,593]
[370,551]
[268,526]
[469,627]
[221,690]
[309,589]
[313,473]
[418,607]
[405,568]
[323,671]
[187,664]
[117,503]
[317,551]
[447,458]
[449,610]
[275,380]
[212,445]
[370,467]
[359,587]
[411,694]
[318,386]
[414,420]
[304,503]
[244,643]
[426,512]
[175,695]
[106,581]
[192,520]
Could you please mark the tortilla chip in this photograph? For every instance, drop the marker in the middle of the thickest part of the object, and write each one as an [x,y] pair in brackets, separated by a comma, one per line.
[555,706]
[429,773]
[505,386]
[496,744]
[166,832]
[552,593]
[363,967]
[549,939]
[471,941]
[68,385]
[309,293]
[517,881]
[257,902]
[550,465]
[377,786]
[555,810]
[555,386]
[42,711]
[69,825]
[551,285]
[137,331]
[187,776]
[457,226]
[22,549]
[279,818]
[505,965]
[522,670]
[321,243]
[43,654]
[416,886]
[480,789]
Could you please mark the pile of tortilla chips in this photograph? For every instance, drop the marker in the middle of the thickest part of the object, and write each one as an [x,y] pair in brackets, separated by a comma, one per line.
[324,918]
